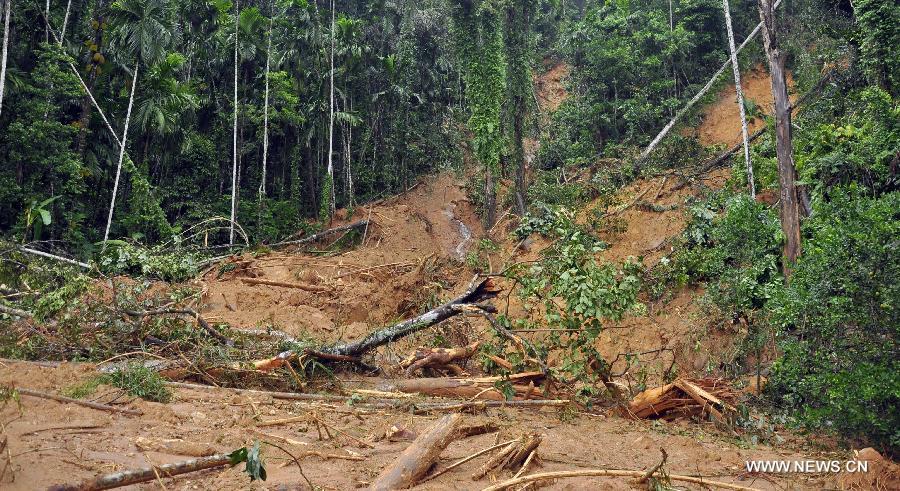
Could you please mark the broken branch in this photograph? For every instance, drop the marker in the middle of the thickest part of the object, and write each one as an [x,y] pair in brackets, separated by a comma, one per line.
[478,290]
[69,400]
[145,474]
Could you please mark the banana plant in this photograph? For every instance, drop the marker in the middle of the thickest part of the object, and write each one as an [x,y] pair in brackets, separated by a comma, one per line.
[34,211]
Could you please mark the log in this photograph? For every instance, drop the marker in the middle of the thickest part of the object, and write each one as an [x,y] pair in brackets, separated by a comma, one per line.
[146,474]
[609,473]
[482,388]
[284,284]
[414,463]
[15,312]
[437,357]
[323,234]
[475,405]
[69,400]
[478,290]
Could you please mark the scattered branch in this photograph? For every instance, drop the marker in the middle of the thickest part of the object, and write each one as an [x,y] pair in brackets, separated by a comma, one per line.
[146,474]
[69,400]
[608,473]
[200,320]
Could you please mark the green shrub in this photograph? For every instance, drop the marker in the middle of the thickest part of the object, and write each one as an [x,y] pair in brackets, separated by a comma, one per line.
[840,317]
[123,257]
[139,381]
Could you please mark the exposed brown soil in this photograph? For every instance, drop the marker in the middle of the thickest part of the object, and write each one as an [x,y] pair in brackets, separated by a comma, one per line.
[721,119]
[414,244]
[550,86]
[222,421]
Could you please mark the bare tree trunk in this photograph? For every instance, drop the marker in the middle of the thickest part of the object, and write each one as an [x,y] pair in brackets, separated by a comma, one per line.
[262,181]
[112,204]
[234,146]
[790,217]
[740,97]
[8,13]
[349,157]
[62,34]
[331,204]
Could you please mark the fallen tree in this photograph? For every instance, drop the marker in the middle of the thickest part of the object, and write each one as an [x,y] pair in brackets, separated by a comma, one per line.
[478,290]
[323,234]
[523,386]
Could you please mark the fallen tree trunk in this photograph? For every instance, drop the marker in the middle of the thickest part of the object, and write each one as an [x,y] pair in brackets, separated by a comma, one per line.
[699,95]
[477,291]
[419,456]
[479,388]
[55,257]
[323,234]
[16,312]
[146,474]
[284,284]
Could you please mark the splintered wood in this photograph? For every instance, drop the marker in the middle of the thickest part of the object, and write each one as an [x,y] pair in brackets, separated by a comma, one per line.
[683,398]
[514,456]
[443,359]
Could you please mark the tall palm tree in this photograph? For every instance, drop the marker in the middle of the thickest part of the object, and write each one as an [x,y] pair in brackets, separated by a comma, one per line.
[142,29]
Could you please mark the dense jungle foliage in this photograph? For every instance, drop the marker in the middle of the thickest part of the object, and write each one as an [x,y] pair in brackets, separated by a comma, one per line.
[220,85]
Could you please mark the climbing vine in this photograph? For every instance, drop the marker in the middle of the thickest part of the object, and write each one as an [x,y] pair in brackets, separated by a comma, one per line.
[478,34]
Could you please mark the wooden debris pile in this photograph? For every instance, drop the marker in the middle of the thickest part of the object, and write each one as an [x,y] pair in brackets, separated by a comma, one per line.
[710,397]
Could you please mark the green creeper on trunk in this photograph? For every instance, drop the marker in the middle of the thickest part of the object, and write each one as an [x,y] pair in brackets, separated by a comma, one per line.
[478,34]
